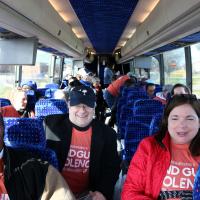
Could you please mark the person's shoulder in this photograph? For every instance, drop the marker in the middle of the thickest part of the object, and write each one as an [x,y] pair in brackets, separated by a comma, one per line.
[149,143]
[56,118]
[9,107]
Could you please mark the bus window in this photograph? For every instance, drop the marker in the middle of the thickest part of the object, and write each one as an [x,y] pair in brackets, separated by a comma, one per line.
[68,67]
[174,66]
[7,80]
[57,68]
[39,72]
[195,52]
[155,71]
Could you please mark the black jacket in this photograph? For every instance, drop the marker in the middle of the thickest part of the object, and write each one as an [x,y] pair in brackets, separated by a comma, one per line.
[24,177]
[104,160]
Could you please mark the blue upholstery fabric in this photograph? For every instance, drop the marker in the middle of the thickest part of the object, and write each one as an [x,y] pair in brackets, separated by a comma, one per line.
[49,93]
[45,154]
[52,86]
[24,132]
[41,92]
[4,102]
[136,129]
[133,96]
[46,107]
[148,107]
[31,96]
[27,134]
[155,124]
[50,156]
[196,189]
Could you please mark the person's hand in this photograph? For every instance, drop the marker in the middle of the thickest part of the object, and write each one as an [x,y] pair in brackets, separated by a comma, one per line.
[97,195]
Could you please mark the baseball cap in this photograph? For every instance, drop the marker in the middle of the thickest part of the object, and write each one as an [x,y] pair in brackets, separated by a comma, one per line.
[31,84]
[82,95]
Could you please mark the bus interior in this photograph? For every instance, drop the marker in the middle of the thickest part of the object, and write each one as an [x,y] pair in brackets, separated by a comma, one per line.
[67,34]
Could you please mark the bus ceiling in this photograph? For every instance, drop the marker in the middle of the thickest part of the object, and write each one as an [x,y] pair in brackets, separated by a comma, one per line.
[70,27]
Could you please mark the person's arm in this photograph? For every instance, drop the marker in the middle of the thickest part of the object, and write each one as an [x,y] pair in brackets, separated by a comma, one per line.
[134,186]
[56,187]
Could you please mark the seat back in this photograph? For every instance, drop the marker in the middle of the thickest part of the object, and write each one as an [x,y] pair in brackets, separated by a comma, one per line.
[40,92]
[45,107]
[31,97]
[196,189]
[52,86]
[49,93]
[24,132]
[45,154]
[136,129]
[148,107]
[4,102]
[155,124]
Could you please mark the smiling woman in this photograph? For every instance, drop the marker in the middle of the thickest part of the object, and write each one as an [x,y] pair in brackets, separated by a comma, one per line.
[176,146]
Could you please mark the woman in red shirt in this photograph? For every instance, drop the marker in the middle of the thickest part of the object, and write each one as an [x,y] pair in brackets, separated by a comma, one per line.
[165,164]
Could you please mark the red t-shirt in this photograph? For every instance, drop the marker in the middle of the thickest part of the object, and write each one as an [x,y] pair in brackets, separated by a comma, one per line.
[76,169]
[181,172]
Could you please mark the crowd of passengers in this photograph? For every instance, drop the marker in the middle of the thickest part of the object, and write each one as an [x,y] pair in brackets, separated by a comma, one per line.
[163,167]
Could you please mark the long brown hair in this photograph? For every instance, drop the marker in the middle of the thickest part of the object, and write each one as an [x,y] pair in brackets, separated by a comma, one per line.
[179,100]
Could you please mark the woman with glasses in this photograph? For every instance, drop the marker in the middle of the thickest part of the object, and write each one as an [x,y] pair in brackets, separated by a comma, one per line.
[165,164]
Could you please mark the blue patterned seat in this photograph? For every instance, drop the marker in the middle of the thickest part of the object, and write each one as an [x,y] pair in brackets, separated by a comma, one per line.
[46,107]
[27,134]
[49,93]
[31,97]
[4,102]
[148,107]
[196,189]
[52,86]
[155,123]
[40,92]
[136,129]
[24,132]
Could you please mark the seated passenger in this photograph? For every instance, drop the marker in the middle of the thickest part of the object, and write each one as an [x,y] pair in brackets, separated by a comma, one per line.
[112,91]
[85,147]
[180,89]
[86,77]
[163,96]
[150,89]
[165,164]
[18,107]
[29,85]
[24,178]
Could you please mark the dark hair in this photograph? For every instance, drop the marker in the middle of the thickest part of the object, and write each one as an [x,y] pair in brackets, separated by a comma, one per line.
[175,101]
[187,90]
[130,82]
[148,85]
[75,83]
